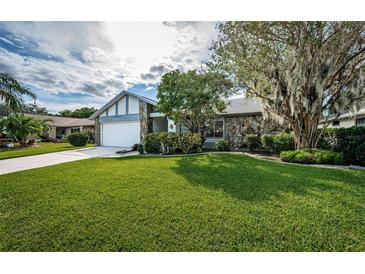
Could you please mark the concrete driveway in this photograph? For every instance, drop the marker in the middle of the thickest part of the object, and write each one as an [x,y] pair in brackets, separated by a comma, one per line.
[49,159]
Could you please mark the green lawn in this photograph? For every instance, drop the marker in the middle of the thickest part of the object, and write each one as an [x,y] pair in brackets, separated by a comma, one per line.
[41,149]
[215,202]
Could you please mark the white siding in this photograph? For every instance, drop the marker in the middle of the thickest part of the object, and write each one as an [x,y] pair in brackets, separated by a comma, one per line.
[121,106]
[133,105]
[111,110]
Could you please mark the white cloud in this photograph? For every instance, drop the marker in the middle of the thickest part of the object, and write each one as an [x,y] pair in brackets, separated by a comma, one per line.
[98,58]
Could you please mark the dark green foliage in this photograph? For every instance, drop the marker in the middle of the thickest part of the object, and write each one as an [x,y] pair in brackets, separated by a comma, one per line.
[140,148]
[213,202]
[193,98]
[252,141]
[312,156]
[12,92]
[268,142]
[348,141]
[91,136]
[171,142]
[78,139]
[84,112]
[223,145]
[21,127]
[283,142]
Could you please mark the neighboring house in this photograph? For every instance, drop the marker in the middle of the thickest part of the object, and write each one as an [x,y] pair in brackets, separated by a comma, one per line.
[348,120]
[64,126]
[128,117]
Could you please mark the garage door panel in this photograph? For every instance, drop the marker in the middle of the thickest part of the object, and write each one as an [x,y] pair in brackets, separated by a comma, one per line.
[122,134]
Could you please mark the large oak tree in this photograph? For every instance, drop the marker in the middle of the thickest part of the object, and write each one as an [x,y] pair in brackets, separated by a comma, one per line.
[299,70]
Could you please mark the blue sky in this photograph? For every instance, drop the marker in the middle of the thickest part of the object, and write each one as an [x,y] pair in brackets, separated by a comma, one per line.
[74,64]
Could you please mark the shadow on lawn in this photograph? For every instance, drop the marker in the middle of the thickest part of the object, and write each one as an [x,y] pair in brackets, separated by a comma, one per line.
[254,180]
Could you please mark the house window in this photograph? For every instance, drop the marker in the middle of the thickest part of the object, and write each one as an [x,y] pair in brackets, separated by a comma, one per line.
[216,130]
[335,123]
[360,122]
[73,130]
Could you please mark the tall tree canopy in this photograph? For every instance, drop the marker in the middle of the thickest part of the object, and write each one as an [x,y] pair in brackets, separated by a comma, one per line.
[298,69]
[12,92]
[193,98]
[84,112]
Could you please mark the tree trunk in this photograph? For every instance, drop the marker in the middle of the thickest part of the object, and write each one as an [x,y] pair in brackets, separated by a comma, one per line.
[306,133]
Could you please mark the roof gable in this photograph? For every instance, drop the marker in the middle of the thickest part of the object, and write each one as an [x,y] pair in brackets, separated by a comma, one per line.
[117,98]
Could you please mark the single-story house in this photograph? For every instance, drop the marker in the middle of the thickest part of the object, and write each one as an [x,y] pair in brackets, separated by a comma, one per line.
[348,120]
[128,117]
[64,126]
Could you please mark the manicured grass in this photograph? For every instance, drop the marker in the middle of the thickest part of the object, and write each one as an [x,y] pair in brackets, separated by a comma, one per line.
[214,202]
[40,149]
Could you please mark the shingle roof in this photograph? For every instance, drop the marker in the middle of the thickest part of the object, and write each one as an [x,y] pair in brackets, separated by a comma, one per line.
[242,106]
[64,121]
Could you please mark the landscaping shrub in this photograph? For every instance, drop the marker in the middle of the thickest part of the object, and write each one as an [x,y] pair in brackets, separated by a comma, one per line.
[78,139]
[222,145]
[312,156]
[91,136]
[282,142]
[171,142]
[268,142]
[348,141]
[252,141]
[140,148]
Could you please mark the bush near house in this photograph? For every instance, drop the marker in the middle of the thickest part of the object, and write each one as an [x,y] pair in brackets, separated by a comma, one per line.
[91,137]
[140,148]
[267,141]
[252,141]
[312,156]
[223,145]
[348,141]
[171,142]
[78,139]
[279,142]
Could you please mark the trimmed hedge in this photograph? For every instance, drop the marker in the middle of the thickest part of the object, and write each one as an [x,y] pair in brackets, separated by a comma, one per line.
[78,139]
[267,141]
[348,141]
[223,145]
[140,148]
[312,156]
[283,142]
[279,142]
[252,141]
[171,142]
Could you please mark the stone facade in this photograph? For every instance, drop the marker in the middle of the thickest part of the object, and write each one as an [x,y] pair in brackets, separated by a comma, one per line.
[97,132]
[145,120]
[237,127]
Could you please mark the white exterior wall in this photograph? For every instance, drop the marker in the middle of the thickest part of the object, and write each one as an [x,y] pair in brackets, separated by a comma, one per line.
[111,110]
[121,106]
[133,105]
[343,123]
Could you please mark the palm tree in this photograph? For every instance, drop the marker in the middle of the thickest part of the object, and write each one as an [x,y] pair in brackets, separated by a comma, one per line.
[20,127]
[11,91]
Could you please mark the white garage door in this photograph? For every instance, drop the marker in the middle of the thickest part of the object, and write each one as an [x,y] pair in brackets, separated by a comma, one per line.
[120,134]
